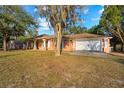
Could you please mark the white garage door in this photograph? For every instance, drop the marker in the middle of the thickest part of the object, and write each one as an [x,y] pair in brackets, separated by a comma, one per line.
[93,45]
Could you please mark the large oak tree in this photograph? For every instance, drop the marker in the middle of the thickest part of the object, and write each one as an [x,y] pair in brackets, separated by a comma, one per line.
[60,17]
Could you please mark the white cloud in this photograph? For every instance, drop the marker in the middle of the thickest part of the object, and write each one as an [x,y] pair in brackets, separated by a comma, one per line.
[44,28]
[101,11]
[44,8]
[43,22]
[83,21]
[35,9]
[86,11]
[42,19]
[102,5]
[44,25]
[95,19]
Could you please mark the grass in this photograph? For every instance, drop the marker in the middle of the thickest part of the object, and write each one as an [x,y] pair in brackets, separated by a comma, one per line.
[43,69]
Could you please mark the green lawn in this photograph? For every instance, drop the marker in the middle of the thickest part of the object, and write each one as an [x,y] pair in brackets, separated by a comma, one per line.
[43,69]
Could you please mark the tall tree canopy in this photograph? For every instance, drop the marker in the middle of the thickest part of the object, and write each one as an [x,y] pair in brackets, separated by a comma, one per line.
[14,21]
[75,30]
[97,29]
[60,18]
[112,21]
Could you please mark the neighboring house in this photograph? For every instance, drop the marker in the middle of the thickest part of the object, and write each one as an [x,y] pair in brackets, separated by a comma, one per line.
[76,42]
[14,44]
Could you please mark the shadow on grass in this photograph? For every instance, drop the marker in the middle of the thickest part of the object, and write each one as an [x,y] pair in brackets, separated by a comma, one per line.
[119,60]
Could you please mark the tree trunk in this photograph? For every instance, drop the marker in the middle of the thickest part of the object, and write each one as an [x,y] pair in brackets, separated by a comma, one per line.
[4,43]
[114,46]
[121,47]
[59,39]
[35,47]
[120,34]
[27,45]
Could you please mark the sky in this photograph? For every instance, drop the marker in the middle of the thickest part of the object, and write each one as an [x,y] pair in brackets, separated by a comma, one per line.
[90,16]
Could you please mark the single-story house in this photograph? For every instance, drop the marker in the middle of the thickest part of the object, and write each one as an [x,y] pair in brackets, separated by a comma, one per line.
[76,42]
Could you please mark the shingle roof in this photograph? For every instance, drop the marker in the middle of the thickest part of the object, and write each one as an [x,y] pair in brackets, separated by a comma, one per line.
[72,36]
[84,35]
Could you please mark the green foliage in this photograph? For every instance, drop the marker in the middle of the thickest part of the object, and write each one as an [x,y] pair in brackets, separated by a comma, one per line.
[60,18]
[76,30]
[96,30]
[1,37]
[112,21]
[14,20]
[65,14]
[29,34]
[111,16]
[21,38]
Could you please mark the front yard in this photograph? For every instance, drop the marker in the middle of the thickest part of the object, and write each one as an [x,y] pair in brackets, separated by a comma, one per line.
[44,69]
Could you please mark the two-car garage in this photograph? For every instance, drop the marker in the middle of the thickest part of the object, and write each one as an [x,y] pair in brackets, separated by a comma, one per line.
[88,44]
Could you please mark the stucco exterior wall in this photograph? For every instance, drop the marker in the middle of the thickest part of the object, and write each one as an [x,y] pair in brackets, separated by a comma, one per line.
[98,44]
[68,45]
[50,44]
[107,48]
[39,43]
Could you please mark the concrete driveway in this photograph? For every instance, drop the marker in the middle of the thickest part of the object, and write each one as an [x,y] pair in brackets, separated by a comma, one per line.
[89,53]
[117,54]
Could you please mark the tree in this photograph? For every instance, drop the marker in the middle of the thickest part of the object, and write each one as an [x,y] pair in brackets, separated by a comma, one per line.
[97,29]
[24,37]
[60,17]
[1,37]
[36,15]
[14,21]
[76,30]
[112,21]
